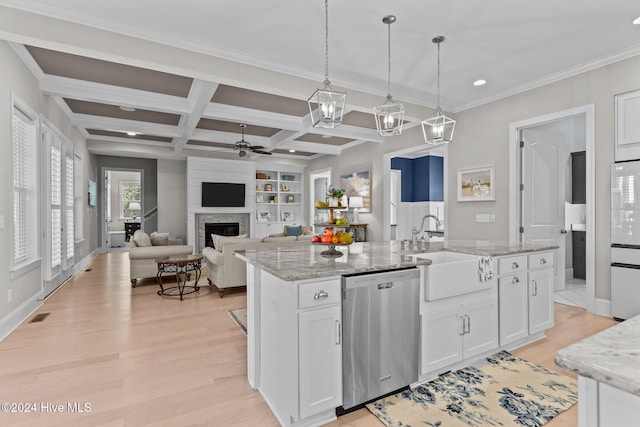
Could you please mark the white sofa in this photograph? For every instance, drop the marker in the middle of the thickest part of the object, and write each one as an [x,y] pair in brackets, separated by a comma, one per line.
[225,270]
[142,258]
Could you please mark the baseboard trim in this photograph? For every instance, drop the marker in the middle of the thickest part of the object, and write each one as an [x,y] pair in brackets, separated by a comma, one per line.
[603,307]
[11,321]
[84,262]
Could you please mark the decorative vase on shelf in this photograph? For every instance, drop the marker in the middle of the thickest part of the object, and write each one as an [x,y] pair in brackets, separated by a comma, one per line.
[333,202]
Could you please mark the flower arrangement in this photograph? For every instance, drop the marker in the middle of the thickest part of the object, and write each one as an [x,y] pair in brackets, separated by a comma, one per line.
[334,193]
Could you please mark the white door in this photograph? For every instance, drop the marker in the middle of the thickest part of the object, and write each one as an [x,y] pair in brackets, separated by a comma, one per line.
[543,194]
[58,248]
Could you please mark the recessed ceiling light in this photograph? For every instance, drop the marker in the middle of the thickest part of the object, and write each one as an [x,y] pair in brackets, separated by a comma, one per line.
[291,150]
[133,133]
[480,82]
[129,109]
[636,21]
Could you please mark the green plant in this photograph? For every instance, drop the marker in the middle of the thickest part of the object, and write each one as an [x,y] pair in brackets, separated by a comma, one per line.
[333,192]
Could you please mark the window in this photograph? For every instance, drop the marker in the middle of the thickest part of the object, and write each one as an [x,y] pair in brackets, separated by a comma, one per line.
[78,199]
[24,143]
[130,196]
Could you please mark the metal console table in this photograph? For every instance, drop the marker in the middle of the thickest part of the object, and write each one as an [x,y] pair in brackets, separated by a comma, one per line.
[181,266]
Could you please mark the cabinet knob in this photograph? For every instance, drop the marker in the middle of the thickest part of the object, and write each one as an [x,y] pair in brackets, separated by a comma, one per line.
[543,261]
[320,295]
[515,280]
[515,265]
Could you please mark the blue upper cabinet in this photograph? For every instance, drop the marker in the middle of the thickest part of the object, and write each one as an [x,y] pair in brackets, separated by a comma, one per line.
[422,178]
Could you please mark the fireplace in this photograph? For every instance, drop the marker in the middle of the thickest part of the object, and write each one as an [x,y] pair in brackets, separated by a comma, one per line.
[220,228]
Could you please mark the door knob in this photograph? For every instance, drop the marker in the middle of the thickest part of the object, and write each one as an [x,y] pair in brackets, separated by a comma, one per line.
[563,231]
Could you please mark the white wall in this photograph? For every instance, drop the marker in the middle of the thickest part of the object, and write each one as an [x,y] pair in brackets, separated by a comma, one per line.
[172,197]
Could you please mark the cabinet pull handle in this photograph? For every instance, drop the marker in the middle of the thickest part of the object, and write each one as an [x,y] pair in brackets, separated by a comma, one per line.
[515,265]
[535,288]
[320,295]
[543,261]
[515,280]
[468,324]
[387,285]
[463,329]
[338,333]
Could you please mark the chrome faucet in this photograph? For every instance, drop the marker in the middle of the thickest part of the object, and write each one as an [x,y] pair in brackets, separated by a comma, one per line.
[415,231]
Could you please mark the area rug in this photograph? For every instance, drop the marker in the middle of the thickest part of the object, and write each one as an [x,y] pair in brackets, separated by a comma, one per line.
[239,315]
[507,391]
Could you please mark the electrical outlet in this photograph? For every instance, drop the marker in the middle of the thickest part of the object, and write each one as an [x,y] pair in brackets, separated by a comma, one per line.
[10,296]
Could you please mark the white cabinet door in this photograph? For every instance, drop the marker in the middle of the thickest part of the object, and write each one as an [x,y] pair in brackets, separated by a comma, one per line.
[442,331]
[540,300]
[512,291]
[481,329]
[320,360]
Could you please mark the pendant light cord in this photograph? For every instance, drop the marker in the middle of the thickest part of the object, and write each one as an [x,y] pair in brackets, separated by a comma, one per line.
[326,43]
[389,52]
[439,76]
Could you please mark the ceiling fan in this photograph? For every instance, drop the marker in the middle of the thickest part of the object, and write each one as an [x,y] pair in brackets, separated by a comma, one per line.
[243,146]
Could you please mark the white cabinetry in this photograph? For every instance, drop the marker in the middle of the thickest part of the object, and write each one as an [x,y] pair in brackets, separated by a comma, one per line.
[458,328]
[525,287]
[301,349]
[627,126]
[279,199]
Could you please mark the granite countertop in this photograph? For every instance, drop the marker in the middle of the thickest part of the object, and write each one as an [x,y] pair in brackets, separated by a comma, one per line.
[300,263]
[610,356]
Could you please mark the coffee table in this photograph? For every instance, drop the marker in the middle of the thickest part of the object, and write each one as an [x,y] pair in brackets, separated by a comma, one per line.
[181,266]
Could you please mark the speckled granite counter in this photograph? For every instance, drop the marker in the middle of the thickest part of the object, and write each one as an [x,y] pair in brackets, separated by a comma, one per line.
[611,357]
[291,264]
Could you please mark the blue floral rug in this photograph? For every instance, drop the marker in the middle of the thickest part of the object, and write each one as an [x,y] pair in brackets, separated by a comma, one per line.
[507,391]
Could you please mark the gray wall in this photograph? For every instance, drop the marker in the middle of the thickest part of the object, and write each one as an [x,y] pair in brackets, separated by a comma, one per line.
[172,197]
[18,79]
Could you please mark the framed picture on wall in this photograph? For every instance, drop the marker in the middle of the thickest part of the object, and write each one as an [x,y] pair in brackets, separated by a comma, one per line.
[477,184]
[264,216]
[358,184]
[92,193]
[287,216]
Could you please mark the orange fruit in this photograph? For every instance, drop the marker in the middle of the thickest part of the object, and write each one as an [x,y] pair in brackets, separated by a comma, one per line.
[335,239]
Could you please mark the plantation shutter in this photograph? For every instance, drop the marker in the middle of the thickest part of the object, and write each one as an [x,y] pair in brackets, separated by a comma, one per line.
[69,228]
[25,172]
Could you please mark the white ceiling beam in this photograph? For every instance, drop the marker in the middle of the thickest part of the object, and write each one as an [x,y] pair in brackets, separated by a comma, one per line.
[228,137]
[134,141]
[199,97]
[344,131]
[113,95]
[122,125]
[232,113]
[313,147]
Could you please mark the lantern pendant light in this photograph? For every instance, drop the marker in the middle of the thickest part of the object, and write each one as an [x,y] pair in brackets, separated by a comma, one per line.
[326,105]
[390,115]
[438,129]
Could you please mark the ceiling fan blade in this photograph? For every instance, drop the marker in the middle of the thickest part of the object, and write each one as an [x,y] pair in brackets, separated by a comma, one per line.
[257,147]
[261,152]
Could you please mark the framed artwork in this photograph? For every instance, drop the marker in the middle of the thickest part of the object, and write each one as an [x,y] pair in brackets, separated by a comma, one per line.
[290,198]
[476,184]
[268,187]
[92,193]
[264,216]
[358,184]
[287,216]
[259,199]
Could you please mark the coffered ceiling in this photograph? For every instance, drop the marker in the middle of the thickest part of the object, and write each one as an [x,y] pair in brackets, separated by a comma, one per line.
[514,45]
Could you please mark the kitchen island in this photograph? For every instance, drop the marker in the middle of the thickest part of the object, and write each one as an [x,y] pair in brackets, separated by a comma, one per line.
[608,368]
[295,313]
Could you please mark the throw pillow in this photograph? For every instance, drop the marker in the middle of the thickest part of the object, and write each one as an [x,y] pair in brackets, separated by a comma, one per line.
[290,230]
[141,238]
[159,241]
[156,234]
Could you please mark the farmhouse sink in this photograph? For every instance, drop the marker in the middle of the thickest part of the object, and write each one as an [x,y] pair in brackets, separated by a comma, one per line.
[451,274]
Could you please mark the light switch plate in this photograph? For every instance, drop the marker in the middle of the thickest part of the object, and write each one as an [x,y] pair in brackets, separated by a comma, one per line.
[482,218]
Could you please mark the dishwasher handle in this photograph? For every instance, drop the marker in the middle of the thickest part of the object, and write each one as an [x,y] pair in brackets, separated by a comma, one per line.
[387,285]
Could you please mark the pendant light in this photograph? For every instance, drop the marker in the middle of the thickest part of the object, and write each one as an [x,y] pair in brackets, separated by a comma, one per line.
[326,105]
[438,129]
[390,115]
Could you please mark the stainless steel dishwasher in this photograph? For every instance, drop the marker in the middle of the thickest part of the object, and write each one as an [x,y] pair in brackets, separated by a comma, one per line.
[381,327]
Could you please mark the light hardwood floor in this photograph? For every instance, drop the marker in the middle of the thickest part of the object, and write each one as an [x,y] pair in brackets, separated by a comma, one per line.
[140,359]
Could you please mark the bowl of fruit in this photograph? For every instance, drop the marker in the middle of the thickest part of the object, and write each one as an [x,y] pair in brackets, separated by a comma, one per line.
[331,238]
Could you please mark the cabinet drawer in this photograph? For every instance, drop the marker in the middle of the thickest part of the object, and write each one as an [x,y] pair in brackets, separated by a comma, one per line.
[316,294]
[517,279]
[512,264]
[540,260]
